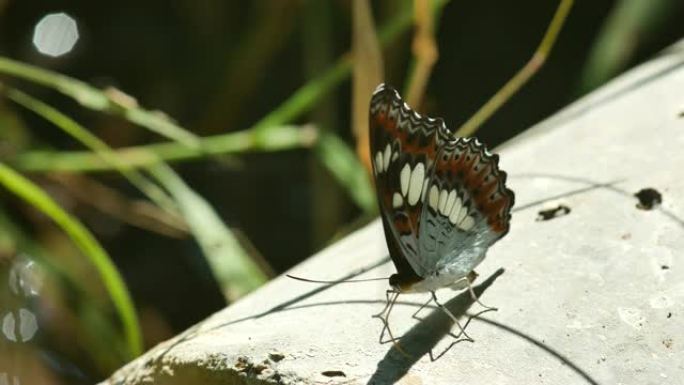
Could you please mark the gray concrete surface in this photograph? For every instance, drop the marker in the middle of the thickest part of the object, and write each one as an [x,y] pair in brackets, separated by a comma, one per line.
[592,297]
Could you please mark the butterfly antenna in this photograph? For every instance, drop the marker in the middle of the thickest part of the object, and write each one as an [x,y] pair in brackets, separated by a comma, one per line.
[342,281]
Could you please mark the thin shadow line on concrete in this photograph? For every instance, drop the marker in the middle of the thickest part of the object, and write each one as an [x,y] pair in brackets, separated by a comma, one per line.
[564,195]
[565,360]
[591,185]
[287,305]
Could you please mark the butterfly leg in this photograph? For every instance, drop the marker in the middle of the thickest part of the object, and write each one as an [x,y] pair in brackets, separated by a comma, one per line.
[391,298]
[387,304]
[434,358]
[476,299]
[453,319]
[469,281]
[415,315]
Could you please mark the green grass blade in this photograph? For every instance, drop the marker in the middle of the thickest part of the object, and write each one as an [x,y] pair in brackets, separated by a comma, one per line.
[86,242]
[95,99]
[85,137]
[343,164]
[265,140]
[523,75]
[628,26]
[98,334]
[233,268]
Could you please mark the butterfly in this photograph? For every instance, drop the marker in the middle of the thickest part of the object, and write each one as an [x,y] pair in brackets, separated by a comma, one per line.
[443,200]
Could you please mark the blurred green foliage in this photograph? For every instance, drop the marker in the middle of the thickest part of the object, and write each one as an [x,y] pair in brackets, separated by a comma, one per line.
[630,26]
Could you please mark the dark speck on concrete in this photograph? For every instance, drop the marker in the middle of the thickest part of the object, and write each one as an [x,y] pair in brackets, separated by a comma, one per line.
[334,373]
[545,215]
[648,198]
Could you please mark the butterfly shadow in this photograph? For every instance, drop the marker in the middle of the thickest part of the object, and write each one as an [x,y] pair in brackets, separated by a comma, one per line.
[424,336]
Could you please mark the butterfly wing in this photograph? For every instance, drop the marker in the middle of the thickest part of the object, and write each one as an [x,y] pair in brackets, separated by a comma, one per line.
[403,146]
[467,207]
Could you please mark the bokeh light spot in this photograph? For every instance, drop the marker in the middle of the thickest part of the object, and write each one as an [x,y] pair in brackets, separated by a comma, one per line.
[8,327]
[25,277]
[28,324]
[55,34]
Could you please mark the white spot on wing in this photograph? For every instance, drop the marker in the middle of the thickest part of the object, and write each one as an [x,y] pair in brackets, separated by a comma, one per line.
[416,183]
[425,189]
[397,200]
[434,197]
[378,162]
[404,179]
[442,200]
[393,113]
[450,203]
[455,211]
[467,223]
[386,157]
[462,214]
[379,88]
